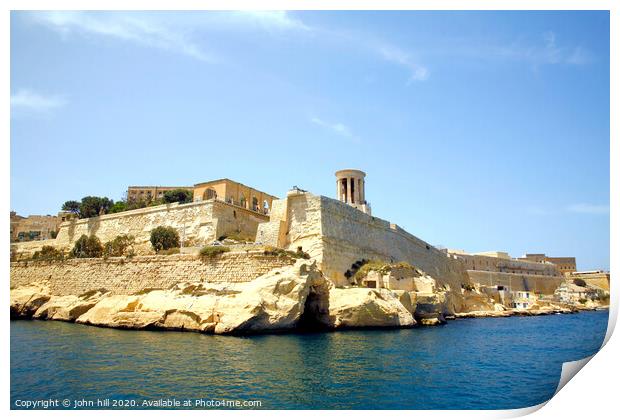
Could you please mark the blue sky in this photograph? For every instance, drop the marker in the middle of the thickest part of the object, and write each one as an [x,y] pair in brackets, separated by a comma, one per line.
[477,130]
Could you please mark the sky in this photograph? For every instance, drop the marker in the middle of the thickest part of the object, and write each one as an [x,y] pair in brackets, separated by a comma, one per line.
[477,130]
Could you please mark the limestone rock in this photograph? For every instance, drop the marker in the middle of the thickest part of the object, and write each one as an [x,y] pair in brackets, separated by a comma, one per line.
[274,301]
[476,301]
[68,308]
[361,307]
[25,301]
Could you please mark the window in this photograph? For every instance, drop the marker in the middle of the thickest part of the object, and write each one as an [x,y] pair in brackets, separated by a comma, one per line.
[209,194]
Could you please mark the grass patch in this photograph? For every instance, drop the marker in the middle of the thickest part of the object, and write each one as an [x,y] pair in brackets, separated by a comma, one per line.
[237,237]
[213,251]
[169,251]
[279,252]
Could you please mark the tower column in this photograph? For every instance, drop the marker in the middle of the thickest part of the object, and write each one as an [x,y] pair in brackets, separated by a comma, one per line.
[350,188]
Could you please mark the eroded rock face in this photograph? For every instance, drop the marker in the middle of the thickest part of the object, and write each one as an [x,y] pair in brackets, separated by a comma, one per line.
[271,302]
[361,307]
[25,301]
[297,296]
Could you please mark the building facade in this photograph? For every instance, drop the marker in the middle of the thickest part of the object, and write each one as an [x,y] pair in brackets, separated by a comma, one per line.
[223,189]
[234,193]
[565,265]
[33,227]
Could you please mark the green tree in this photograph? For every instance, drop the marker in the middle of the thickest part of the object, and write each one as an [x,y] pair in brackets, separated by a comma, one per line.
[48,253]
[120,246]
[118,207]
[179,195]
[94,206]
[87,247]
[71,206]
[164,237]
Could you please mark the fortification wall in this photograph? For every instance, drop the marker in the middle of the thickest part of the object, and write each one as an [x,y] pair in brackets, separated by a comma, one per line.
[26,249]
[600,280]
[506,265]
[125,276]
[230,218]
[350,235]
[199,222]
[337,235]
[534,283]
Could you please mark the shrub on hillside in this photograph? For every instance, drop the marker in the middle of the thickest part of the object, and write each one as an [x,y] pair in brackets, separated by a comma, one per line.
[579,282]
[279,252]
[120,246]
[212,251]
[237,237]
[48,253]
[87,247]
[164,237]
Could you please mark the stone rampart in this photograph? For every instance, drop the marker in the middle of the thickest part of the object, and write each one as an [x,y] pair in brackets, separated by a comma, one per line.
[338,235]
[130,275]
[198,223]
[545,285]
[350,235]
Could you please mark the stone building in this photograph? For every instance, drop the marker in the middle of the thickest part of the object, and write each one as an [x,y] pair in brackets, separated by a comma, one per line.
[565,265]
[501,262]
[33,227]
[223,189]
[234,193]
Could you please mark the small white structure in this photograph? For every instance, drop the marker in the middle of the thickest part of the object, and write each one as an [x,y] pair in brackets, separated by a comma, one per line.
[523,299]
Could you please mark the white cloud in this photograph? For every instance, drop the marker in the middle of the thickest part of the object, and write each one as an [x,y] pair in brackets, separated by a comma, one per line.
[28,100]
[588,208]
[274,20]
[337,128]
[546,52]
[139,28]
[396,55]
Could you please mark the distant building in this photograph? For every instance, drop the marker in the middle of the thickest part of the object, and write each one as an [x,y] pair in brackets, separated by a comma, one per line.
[565,265]
[234,193]
[222,189]
[523,299]
[33,227]
[502,262]
[494,254]
[569,292]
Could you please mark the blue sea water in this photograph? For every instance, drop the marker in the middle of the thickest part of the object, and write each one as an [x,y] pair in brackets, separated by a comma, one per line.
[485,363]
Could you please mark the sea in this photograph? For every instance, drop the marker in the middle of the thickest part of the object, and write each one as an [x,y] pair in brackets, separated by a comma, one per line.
[478,363]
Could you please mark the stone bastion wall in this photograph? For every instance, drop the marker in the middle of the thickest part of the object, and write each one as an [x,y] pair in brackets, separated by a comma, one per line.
[349,235]
[199,222]
[337,235]
[131,275]
[545,285]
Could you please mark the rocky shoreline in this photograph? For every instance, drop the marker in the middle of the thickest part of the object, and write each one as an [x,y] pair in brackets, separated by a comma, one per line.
[290,298]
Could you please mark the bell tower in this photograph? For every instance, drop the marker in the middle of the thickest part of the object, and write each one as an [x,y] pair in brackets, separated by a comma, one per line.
[350,186]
